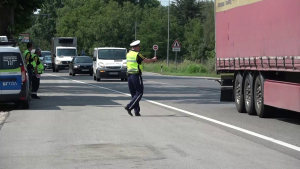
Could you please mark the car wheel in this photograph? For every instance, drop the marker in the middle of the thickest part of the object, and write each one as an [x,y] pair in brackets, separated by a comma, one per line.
[73,74]
[98,79]
[122,79]
[126,79]
[23,104]
[56,69]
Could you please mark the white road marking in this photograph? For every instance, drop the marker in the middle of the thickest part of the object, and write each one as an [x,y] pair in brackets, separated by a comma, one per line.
[199,116]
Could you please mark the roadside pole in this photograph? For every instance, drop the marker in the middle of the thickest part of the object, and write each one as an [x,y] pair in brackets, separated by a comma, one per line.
[176,48]
[155,48]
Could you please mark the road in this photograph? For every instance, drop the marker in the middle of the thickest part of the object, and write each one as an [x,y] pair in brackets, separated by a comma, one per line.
[81,123]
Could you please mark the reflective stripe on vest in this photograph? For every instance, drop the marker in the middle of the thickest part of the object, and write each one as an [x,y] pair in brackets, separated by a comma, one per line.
[132,65]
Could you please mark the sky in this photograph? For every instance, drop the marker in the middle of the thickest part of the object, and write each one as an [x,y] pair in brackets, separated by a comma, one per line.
[163,3]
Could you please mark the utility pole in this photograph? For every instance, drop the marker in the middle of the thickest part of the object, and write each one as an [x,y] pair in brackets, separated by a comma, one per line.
[135,30]
[136,2]
[168,34]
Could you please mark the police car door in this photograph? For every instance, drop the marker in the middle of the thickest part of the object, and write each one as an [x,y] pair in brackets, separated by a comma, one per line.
[11,78]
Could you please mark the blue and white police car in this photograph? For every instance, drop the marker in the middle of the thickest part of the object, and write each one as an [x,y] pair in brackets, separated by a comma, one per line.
[14,83]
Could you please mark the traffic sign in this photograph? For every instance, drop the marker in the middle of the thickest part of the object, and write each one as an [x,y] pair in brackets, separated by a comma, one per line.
[155,47]
[176,49]
[176,46]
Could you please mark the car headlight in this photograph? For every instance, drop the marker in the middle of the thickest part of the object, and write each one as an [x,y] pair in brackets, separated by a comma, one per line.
[124,64]
[58,62]
[100,65]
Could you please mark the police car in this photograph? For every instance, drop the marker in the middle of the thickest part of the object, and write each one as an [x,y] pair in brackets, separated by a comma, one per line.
[14,83]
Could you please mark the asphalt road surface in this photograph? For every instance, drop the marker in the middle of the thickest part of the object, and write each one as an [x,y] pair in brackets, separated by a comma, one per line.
[81,123]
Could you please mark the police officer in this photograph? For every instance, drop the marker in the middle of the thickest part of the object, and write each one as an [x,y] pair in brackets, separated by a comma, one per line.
[38,70]
[135,81]
[28,61]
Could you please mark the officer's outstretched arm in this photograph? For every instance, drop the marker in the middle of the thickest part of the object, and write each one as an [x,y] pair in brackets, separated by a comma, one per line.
[154,59]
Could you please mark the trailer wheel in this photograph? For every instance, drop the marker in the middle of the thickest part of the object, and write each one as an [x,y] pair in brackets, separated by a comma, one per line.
[238,93]
[248,95]
[261,109]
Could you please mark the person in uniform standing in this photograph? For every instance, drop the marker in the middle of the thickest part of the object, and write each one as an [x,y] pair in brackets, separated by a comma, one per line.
[38,70]
[135,80]
[29,62]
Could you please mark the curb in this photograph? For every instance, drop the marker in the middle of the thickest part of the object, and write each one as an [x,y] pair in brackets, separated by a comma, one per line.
[3,117]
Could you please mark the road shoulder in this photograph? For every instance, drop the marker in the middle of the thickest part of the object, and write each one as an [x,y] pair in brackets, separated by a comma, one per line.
[3,117]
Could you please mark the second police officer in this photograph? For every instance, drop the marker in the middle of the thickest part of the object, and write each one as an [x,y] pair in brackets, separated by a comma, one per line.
[38,70]
[29,62]
[135,80]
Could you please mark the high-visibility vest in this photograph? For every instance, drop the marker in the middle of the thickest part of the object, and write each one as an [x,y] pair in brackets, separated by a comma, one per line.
[30,61]
[132,65]
[40,67]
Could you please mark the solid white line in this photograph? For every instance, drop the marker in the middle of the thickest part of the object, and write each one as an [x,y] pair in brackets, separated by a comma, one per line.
[201,117]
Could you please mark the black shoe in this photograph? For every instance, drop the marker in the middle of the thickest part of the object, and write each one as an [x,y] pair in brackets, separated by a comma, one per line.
[128,111]
[35,97]
[137,114]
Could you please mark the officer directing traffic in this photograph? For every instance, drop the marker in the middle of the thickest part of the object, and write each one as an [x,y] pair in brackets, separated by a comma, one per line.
[135,80]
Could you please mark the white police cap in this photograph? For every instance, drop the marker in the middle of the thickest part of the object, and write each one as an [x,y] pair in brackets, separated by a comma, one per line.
[135,43]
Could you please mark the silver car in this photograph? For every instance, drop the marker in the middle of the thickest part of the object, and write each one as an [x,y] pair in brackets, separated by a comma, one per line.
[47,62]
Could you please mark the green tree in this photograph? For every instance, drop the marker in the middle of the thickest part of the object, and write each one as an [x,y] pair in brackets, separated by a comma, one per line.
[16,15]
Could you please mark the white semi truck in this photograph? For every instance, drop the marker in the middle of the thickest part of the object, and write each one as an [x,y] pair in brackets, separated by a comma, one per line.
[63,49]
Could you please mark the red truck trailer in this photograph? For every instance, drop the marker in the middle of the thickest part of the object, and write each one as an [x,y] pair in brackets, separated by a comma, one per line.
[258,42]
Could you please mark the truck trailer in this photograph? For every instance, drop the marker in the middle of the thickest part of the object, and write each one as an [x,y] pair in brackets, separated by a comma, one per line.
[63,49]
[258,45]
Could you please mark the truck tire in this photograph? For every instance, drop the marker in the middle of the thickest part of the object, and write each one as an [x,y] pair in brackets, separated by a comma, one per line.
[238,93]
[56,69]
[249,95]
[262,110]
[98,76]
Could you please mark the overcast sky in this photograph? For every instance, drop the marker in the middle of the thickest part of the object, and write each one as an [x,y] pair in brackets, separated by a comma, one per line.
[163,3]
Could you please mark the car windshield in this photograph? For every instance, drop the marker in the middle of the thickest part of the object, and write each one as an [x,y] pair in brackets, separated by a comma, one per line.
[10,60]
[83,60]
[47,57]
[66,52]
[45,53]
[112,54]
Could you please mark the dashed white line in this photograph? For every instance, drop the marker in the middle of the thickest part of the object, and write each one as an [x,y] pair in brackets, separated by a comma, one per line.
[201,117]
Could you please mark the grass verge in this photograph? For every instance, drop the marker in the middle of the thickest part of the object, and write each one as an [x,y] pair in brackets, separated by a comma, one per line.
[186,68]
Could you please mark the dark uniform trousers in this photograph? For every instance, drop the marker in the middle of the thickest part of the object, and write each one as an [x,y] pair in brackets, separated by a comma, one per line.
[136,88]
[35,84]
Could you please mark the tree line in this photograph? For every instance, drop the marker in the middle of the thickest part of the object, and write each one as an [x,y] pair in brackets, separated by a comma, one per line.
[98,23]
